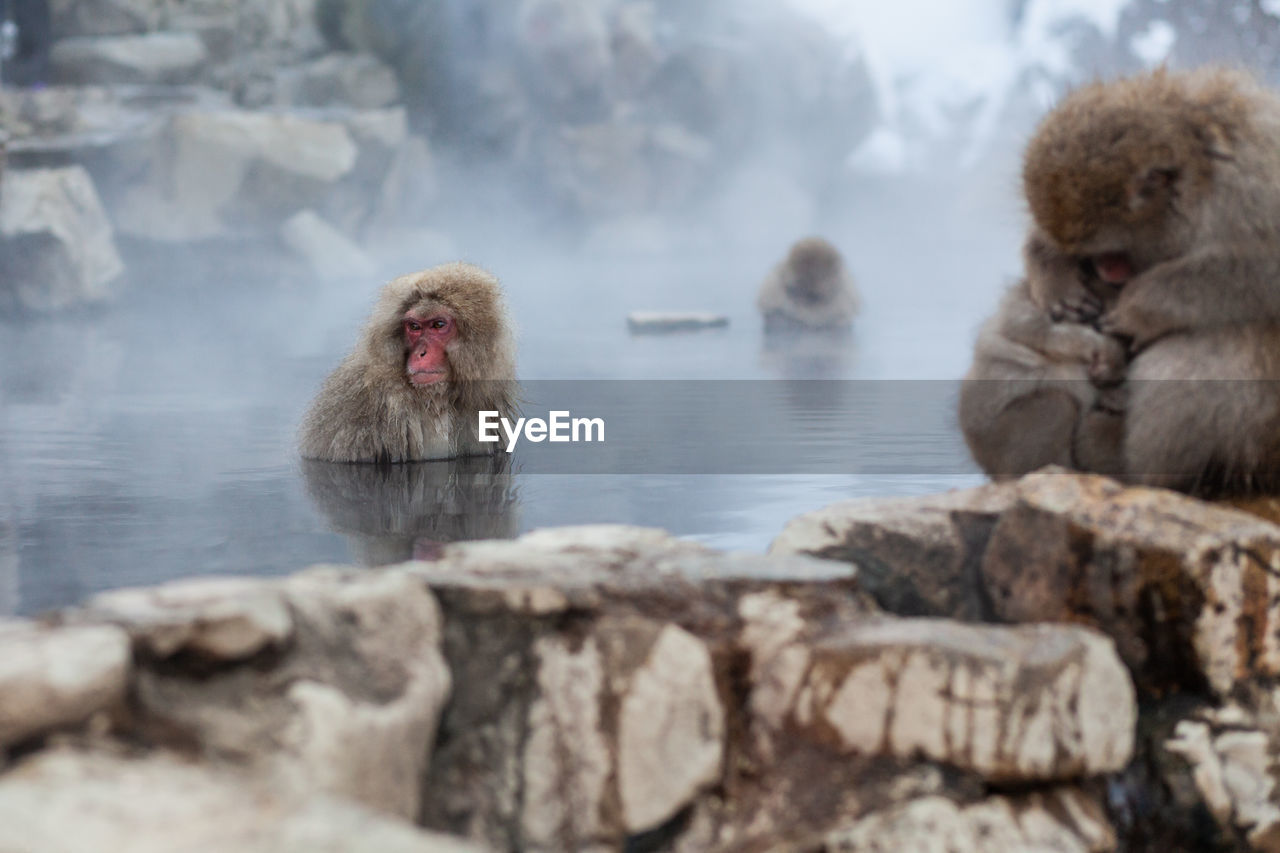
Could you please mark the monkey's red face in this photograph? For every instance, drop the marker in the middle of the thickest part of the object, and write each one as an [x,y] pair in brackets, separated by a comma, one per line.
[426,334]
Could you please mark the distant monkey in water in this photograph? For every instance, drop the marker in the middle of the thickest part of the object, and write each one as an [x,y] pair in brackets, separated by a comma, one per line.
[436,351]
[809,290]
[1044,386]
[1167,185]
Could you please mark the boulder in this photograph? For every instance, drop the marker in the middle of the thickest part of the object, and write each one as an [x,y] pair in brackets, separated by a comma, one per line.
[331,681]
[1189,590]
[614,683]
[57,248]
[229,170]
[1233,757]
[85,801]
[53,679]
[607,688]
[336,79]
[169,57]
[1062,822]
[104,17]
[919,556]
[327,251]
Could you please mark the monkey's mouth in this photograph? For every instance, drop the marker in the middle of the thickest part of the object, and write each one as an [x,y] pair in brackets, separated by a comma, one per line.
[1113,267]
[425,377]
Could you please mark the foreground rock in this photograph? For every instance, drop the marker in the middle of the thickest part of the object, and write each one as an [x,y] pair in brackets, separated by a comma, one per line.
[614,683]
[602,688]
[52,679]
[1189,591]
[349,702]
[71,800]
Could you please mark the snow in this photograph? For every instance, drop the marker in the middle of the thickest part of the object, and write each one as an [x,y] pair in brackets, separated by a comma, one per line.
[1153,44]
[942,68]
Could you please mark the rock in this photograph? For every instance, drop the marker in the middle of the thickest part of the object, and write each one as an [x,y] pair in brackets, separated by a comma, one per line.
[590,667]
[1233,754]
[650,322]
[1040,703]
[1062,822]
[918,556]
[56,678]
[623,167]
[330,681]
[1188,590]
[216,619]
[325,249]
[337,79]
[169,57]
[104,17]
[57,249]
[72,801]
[565,45]
[614,683]
[231,170]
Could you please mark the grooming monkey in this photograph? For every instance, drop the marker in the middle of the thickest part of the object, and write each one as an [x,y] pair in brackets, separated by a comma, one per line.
[1167,185]
[1043,386]
[436,350]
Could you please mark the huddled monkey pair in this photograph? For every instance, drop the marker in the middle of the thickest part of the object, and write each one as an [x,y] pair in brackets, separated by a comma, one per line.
[1144,338]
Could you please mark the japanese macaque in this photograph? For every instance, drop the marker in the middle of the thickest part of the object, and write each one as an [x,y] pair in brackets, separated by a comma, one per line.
[436,351]
[810,289]
[1167,185]
[1044,387]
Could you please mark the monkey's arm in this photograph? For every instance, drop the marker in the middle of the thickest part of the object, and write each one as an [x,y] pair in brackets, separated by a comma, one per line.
[1215,286]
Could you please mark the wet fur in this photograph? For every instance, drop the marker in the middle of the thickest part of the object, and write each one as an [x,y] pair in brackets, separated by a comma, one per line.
[368,412]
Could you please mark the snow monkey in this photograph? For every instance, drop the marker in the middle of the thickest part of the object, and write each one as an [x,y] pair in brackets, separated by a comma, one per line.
[1043,388]
[1168,186]
[810,289]
[436,350]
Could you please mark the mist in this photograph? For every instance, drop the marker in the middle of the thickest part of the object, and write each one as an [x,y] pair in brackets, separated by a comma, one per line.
[258,171]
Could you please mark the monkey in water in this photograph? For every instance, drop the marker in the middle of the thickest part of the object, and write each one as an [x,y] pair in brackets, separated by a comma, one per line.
[1167,185]
[809,290]
[436,351]
[1044,387]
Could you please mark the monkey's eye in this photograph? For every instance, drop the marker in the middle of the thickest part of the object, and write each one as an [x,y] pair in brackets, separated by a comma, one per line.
[439,323]
[413,325]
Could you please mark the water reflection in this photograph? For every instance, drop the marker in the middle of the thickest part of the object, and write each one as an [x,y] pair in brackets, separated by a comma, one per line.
[809,354]
[392,513]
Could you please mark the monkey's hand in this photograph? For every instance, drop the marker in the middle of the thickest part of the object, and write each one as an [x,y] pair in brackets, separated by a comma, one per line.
[1107,362]
[1083,307]
[1131,320]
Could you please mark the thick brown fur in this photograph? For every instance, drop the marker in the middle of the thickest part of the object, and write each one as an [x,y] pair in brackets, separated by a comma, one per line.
[1029,398]
[1180,174]
[367,411]
[810,289]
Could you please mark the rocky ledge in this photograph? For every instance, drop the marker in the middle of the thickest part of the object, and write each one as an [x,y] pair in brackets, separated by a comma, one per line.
[1053,664]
